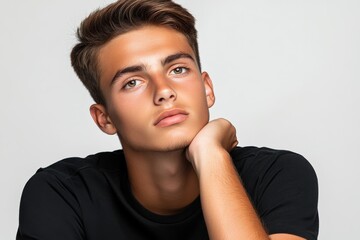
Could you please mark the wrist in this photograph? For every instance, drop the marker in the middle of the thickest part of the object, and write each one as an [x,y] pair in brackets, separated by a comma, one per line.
[209,159]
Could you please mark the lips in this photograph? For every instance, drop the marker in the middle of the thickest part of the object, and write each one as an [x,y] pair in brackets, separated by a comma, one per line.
[171,117]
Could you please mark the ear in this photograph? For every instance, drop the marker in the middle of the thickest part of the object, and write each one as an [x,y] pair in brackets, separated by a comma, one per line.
[209,89]
[101,118]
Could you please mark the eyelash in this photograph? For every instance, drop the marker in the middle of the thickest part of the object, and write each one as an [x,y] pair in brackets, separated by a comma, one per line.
[182,68]
[126,85]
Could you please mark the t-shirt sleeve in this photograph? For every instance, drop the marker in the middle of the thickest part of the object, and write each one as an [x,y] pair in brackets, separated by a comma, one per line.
[49,210]
[289,197]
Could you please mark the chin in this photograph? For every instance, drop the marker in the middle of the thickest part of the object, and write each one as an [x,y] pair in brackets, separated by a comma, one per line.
[175,145]
[162,144]
[174,142]
[168,140]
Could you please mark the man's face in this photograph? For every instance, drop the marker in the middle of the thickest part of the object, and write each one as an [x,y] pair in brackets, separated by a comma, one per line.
[156,97]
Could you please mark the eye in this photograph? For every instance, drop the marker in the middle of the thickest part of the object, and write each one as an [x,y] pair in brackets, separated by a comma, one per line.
[179,70]
[132,83]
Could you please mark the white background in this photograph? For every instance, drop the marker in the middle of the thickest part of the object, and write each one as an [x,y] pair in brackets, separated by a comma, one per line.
[286,73]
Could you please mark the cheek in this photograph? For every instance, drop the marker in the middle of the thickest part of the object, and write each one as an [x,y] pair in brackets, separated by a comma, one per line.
[129,113]
[195,95]
[195,98]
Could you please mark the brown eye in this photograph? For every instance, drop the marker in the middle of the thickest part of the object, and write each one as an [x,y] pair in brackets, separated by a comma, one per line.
[131,84]
[179,70]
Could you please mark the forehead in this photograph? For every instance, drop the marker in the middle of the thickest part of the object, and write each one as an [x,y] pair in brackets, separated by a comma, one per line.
[133,45]
[147,46]
[146,34]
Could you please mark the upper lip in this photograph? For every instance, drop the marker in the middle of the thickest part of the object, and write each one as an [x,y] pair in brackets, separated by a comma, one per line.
[169,113]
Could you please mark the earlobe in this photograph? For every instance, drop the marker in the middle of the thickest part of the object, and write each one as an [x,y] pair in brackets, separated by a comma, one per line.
[209,89]
[101,118]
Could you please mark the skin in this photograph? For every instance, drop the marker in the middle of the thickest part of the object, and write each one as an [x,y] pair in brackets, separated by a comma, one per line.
[172,161]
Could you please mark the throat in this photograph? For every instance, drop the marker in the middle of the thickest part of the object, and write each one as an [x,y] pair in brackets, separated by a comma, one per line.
[164,188]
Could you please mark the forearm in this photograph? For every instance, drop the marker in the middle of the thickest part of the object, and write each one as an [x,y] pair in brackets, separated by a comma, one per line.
[227,209]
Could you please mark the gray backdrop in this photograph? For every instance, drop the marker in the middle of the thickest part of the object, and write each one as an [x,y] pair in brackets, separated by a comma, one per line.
[286,73]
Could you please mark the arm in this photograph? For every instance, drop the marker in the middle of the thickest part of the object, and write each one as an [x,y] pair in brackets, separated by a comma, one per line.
[228,211]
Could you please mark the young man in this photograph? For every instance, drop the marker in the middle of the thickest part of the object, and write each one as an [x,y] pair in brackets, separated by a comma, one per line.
[178,175]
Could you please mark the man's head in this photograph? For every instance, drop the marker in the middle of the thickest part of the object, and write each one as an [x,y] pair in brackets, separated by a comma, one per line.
[140,62]
[118,18]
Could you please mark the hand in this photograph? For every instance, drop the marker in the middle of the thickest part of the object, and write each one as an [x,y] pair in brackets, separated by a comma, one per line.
[216,136]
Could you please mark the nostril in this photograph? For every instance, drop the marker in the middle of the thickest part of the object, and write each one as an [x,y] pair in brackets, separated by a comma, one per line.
[165,95]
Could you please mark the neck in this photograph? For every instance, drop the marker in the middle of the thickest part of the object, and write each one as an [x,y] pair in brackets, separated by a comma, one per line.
[163,182]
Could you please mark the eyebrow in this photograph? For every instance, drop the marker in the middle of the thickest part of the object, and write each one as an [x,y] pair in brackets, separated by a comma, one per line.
[131,69]
[139,68]
[176,56]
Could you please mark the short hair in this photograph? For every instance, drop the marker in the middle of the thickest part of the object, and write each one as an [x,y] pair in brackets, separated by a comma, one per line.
[120,17]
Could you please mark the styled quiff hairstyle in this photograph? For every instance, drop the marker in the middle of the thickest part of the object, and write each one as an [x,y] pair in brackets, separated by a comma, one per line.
[120,17]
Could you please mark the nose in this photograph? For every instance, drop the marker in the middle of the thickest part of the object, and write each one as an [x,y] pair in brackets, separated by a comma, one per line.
[164,93]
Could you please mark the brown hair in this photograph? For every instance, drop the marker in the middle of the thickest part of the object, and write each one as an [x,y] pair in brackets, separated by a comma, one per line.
[120,17]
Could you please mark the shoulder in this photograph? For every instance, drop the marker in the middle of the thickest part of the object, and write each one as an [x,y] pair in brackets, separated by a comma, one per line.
[261,160]
[282,186]
[72,176]
[65,189]
[71,167]
[261,154]
[262,169]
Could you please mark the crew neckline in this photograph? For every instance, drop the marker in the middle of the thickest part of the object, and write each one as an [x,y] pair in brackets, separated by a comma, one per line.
[189,212]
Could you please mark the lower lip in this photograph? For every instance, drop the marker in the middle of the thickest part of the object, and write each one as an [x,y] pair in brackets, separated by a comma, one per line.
[169,121]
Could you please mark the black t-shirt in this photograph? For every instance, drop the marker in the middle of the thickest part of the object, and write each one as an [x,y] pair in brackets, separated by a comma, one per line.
[90,199]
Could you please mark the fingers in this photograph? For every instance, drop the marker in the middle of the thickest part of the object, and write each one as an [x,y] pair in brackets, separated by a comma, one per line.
[234,144]
[229,138]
